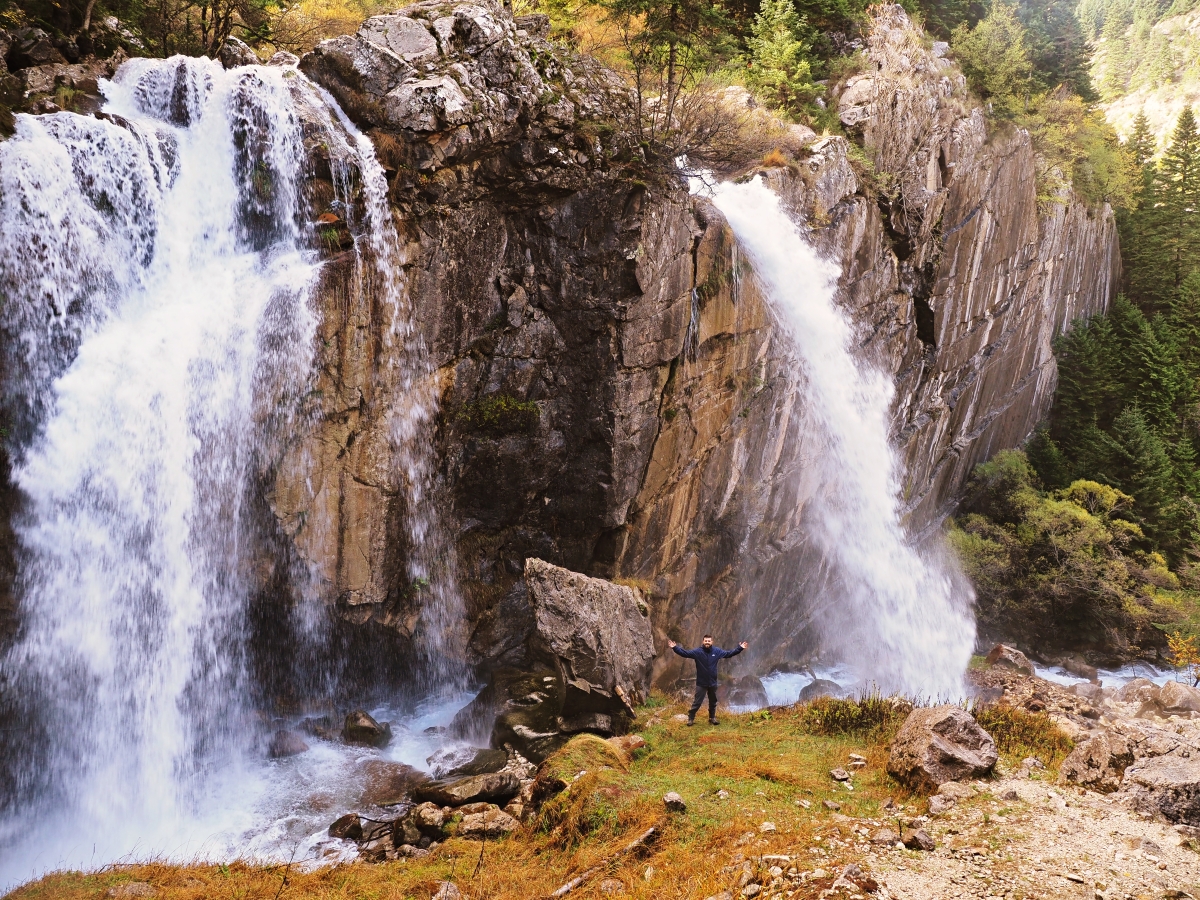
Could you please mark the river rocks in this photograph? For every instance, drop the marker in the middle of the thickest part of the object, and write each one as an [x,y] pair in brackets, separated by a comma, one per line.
[387,783]
[1010,657]
[286,743]
[1175,698]
[1139,690]
[1099,763]
[481,761]
[235,52]
[348,827]
[499,787]
[820,687]
[748,691]
[30,47]
[1167,786]
[361,728]
[940,744]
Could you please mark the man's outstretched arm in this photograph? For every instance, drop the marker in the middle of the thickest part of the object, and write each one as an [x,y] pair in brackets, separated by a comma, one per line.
[738,649]
[688,654]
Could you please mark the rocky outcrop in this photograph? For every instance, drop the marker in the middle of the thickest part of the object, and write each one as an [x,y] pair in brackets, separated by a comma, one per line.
[567,654]
[940,744]
[615,395]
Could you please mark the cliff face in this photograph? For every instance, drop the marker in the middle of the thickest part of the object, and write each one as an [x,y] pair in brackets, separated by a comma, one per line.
[615,394]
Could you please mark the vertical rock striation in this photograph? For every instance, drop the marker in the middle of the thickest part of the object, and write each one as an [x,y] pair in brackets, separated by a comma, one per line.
[616,396]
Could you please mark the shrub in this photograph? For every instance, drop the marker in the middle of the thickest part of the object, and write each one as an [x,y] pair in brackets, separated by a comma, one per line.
[871,715]
[500,414]
[1019,733]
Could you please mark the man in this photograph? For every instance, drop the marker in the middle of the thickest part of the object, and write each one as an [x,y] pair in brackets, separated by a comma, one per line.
[706,656]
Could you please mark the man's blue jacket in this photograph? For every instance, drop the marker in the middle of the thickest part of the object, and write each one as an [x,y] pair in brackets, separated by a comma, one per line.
[706,662]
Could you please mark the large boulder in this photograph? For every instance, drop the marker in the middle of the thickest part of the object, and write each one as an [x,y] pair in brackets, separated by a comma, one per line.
[1139,690]
[1099,762]
[1166,786]
[1175,698]
[571,654]
[939,744]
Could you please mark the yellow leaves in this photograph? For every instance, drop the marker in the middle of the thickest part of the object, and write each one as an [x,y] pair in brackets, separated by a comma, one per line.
[1185,653]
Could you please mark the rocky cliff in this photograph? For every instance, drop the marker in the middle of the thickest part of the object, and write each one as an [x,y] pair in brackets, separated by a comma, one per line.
[613,393]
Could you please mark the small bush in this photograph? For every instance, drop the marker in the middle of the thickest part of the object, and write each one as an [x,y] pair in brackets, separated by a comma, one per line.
[500,414]
[775,159]
[869,715]
[1019,733]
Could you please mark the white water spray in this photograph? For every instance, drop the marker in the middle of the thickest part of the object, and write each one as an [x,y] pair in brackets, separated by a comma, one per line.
[156,318]
[898,619]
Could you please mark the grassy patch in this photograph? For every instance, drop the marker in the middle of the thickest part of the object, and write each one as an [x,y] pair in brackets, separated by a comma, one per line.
[1019,734]
[769,766]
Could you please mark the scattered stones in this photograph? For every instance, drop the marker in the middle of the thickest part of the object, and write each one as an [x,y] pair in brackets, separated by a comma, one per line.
[956,790]
[612,886]
[1010,796]
[752,890]
[917,839]
[800,801]
[361,728]
[831,804]
[940,804]
[884,837]
[839,775]
[679,717]
[940,744]
[1098,763]
[1010,658]
[496,787]
[766,828]
[854,877]
[674,803]
[722,794]
[447,890]
[348,828]
[286,743]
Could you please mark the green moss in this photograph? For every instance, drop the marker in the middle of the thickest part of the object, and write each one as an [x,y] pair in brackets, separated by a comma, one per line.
[500,414]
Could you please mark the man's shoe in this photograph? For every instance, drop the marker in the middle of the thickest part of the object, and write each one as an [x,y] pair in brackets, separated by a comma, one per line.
[691,722]
[713,722]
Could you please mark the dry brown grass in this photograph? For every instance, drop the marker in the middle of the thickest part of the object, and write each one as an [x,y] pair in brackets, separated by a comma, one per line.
[775,159]
[766,761]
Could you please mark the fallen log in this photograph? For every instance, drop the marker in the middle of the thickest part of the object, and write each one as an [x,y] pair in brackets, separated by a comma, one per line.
[579,880]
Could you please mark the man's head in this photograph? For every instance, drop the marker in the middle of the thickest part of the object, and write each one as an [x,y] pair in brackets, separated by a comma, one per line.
[707,642]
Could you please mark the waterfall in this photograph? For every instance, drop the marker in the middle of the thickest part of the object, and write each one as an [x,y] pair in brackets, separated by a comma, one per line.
[157,273]
[893,613]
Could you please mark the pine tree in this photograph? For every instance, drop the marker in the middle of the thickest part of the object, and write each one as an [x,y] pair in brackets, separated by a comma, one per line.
[1141,467]
[1178,195]
[779,68]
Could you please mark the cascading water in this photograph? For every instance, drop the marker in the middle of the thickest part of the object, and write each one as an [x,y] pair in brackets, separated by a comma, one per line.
[159,343]
[898,618]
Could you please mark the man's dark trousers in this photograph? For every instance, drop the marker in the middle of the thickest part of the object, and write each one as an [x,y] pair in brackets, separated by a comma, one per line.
[701,690]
